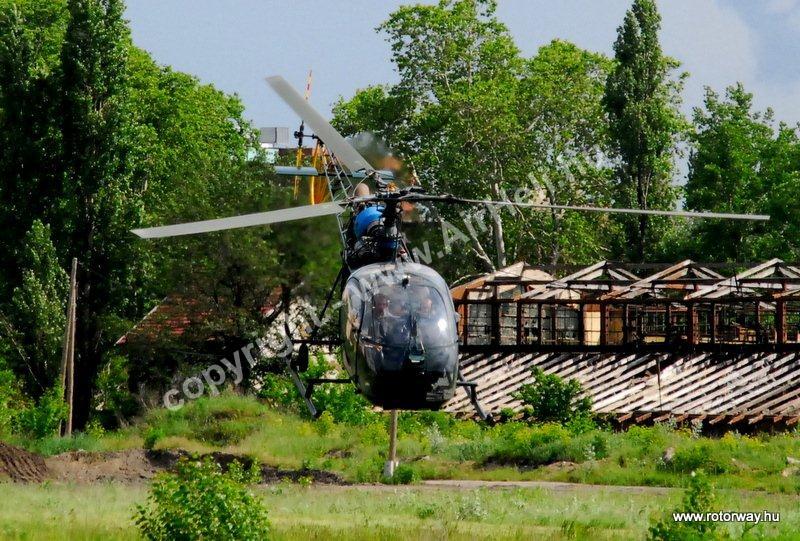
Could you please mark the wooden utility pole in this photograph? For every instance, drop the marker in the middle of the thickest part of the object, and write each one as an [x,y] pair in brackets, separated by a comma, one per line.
[391,464]
[68,356]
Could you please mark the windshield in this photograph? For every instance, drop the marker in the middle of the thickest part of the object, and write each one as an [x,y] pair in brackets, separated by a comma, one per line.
[413,316]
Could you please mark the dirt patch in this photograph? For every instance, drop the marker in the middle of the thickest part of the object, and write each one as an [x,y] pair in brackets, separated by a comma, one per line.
[339,453]
[126,466]
[20,465]
[138,465]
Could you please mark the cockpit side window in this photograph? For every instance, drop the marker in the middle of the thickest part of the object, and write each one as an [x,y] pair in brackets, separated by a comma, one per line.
[354,304]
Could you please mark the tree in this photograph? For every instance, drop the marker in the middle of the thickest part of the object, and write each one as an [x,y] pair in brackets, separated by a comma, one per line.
[98,139]
[458,70]
[642,104]
[31,33]
[98,200]
[478,120]
[742,162]
[38,310]
[566,144]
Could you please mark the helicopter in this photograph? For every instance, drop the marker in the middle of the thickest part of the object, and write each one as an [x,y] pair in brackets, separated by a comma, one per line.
[398,327]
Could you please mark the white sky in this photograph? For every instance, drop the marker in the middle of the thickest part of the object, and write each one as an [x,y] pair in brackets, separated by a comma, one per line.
[234,44]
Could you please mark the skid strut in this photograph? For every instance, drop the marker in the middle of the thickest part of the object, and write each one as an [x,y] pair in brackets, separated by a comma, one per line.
[472,391]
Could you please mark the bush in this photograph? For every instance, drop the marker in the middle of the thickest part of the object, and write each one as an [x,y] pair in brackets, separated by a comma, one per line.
[11,400]
[550,399]
[699,456]
[112,401]
[516,443]
[698,498]
[43,419]
[403,475]
[199,501]
[341,400]
[152,436]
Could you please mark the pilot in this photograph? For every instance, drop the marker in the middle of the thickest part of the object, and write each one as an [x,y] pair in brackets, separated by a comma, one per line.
[380,305]
[380,314]
[429,319]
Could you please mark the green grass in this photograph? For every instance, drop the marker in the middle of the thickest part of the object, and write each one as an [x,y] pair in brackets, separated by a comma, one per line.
[103,511]
[436,446]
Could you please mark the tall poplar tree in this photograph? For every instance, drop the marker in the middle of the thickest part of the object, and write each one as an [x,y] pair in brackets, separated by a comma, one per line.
[642,100]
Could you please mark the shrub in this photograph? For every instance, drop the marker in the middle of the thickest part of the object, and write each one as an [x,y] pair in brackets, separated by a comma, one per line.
[551,399]
[199,501]
[43,419]
[647,441]
[403,475]
[324,423]
[699,456]
[11,399]
[698,498]
[112,401]
[342,401]
[152,436]
[222,433]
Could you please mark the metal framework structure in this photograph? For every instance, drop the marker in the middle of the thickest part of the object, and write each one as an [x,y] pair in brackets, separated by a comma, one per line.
[684,343]
[606,308]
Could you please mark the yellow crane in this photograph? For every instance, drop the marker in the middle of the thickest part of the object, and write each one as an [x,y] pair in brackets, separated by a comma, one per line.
[318,187]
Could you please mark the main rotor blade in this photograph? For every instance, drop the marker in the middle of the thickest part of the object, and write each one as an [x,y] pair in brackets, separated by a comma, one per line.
[344,151]
[544,206]
[245,220]
[649,212]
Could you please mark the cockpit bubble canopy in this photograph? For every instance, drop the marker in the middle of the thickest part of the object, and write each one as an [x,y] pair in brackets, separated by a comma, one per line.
[404,303]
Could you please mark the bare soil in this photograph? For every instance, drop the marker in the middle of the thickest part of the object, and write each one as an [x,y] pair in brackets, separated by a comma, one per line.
[130,466]
[20,465]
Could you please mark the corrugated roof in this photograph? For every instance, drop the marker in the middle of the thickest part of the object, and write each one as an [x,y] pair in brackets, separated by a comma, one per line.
[712,385]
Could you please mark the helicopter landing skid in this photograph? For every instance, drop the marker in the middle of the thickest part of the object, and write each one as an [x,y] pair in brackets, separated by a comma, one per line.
[471,388]
[306,388]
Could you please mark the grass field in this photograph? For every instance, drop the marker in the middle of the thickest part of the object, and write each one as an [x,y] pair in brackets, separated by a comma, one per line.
[751,473]
[436,446]
[103,511]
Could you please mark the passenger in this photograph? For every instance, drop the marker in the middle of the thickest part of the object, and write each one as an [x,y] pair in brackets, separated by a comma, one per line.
[429,320]
[380,305]
[380,316]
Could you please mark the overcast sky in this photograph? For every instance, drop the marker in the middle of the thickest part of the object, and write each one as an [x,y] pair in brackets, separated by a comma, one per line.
[234,44]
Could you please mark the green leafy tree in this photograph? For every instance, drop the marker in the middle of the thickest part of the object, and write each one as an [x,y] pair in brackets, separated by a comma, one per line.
[98,203]
[566,143]
[742,162]
[642,101]
[476,119]
[31,33]
[458,69]
[38,309]
[98,139]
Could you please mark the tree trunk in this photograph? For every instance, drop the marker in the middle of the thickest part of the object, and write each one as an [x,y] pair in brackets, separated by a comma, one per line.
[641,199]
[497,228]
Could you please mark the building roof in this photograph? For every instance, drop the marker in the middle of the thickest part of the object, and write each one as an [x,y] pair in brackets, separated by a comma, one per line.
[719,388]
[603,276]
[514,278]
[174,316]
